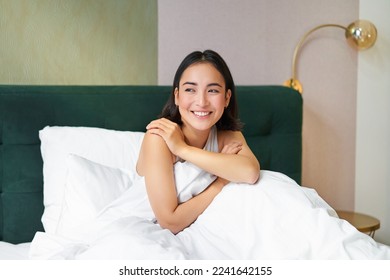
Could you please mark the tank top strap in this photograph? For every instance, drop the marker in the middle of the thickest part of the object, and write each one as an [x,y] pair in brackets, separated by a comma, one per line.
[212,141]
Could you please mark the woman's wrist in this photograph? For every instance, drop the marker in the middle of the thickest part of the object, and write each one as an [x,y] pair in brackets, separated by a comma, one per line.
[184,152]
[219,183]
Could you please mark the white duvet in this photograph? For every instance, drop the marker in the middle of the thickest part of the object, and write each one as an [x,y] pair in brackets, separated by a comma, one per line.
[96,207]
[273,219]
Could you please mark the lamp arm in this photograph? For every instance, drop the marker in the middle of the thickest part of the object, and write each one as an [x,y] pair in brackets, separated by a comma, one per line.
[360,34]
[304,37]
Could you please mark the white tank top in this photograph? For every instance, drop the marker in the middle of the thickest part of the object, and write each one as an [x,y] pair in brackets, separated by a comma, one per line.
[190,179]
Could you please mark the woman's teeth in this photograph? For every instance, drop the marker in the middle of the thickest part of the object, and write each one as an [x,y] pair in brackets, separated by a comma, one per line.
[201,114]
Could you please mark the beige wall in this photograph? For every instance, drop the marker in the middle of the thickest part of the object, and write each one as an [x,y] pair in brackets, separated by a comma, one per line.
[78,42]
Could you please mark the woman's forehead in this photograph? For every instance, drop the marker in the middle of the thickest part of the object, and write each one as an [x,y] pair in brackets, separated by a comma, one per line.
[202,72]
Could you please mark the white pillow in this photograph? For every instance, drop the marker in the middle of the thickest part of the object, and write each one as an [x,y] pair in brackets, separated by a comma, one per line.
[89,188]
[117,149]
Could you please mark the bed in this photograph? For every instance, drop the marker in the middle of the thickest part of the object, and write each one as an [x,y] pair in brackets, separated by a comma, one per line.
[67,156]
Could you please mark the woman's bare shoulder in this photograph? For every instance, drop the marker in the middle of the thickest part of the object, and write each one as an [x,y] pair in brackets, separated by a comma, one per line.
[153,150]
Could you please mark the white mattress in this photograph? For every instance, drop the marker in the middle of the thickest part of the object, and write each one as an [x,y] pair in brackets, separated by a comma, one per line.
[10,251]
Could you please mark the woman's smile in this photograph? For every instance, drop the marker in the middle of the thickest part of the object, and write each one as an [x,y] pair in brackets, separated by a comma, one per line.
[201,114]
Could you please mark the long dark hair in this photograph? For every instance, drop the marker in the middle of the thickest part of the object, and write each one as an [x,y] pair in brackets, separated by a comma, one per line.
[229,119]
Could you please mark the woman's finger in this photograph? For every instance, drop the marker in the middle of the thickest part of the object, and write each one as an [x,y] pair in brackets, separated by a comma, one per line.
[160,123]
[232,148]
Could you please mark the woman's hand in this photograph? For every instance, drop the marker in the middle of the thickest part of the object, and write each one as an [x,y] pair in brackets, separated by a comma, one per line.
[232,148]
[170,132]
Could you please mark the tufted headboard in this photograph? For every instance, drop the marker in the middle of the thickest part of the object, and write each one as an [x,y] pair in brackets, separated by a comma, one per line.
[272,116]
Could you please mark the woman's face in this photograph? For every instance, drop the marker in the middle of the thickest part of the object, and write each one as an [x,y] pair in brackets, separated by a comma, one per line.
[202,96]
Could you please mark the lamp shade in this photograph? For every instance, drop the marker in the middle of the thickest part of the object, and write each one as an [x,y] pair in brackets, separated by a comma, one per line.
[361,34]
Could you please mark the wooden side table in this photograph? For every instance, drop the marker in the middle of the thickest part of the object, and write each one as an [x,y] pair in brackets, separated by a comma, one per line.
[361,222]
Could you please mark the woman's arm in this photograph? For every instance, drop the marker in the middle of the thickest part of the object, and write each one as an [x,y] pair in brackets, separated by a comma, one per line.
[241,166]
[155,163]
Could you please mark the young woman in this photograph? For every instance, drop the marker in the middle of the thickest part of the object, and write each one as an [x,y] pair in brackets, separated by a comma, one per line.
[201,109]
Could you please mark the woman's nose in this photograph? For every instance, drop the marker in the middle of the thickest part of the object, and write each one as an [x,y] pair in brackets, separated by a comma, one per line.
[202,99]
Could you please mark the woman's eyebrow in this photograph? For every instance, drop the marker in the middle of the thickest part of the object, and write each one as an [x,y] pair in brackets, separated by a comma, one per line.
[190,83]
[195,84]
[214,84]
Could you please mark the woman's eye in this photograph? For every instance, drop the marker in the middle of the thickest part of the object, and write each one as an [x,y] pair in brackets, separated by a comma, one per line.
[213,91]
[189,90]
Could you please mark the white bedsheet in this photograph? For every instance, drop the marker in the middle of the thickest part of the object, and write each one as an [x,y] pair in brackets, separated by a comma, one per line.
[10,251]
[273,219]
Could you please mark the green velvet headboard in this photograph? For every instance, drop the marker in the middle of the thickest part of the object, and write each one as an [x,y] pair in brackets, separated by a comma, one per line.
[272,117]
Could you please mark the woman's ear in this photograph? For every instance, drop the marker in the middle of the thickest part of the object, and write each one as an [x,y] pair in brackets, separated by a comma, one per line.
[176,94]
[227,97]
